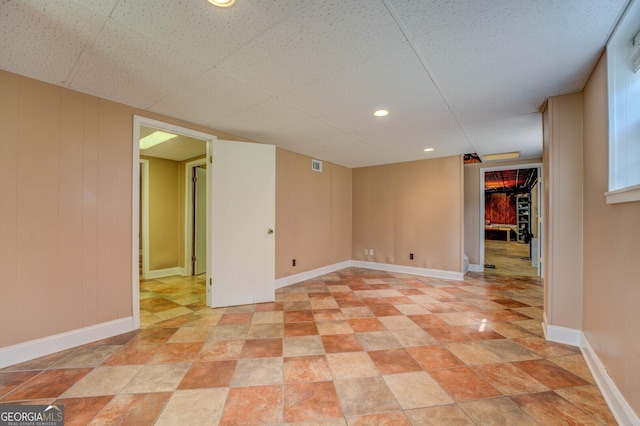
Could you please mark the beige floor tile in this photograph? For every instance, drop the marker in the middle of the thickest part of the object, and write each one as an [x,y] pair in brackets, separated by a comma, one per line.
[575,364]
[326,328]
[416,390]
[103,381]
[473,353]
[265,331]
[350,365]
[450,415]
[497,411]
[172,313]
[157,378]
[276,317]
[258,371]
[302,346]
[413,337]
[194,407]
[393,323]
[357,312]
[509,351]
[87,356]
[367,395]
[378,340]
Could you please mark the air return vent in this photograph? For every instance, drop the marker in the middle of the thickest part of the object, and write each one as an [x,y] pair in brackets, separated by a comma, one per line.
[316,165]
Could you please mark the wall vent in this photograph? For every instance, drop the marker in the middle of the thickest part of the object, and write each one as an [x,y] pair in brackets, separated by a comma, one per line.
[316,165]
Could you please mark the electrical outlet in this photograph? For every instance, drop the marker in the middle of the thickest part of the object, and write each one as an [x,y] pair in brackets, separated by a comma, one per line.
[410,256]
[366,252]
[293,262]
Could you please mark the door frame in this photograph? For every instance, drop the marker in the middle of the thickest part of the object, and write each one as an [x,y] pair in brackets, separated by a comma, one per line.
[135,202]
[483,170]
[144,215]
[188,212]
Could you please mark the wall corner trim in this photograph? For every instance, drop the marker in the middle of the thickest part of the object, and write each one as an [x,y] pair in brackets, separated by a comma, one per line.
[32,349]
[423,272]
[434,273]
[619,406]
[568,336]
[160,273]
[475,268]
[307,275]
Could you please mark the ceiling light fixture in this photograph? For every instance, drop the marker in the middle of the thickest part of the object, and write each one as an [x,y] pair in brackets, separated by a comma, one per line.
[381,113]
[428,149]
[501,156]
[221,3]
[155,138]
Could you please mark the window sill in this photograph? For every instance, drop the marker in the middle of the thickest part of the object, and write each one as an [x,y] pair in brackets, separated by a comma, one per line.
[624,195]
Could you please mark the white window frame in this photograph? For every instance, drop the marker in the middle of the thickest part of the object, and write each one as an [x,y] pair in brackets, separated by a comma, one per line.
[624,110]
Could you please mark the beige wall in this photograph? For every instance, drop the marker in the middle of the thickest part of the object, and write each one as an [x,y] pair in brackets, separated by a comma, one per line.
[611,253]
[313,214]
[413,207]
[563,177]
[472,229]
[166,213]
[65,217]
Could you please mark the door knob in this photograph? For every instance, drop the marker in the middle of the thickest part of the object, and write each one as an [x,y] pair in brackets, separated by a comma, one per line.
[270,231]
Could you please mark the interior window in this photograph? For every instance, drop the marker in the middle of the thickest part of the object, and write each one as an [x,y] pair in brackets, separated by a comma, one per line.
[623,66]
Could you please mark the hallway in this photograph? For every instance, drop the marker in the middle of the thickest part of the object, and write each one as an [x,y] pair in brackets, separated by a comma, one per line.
[510,259]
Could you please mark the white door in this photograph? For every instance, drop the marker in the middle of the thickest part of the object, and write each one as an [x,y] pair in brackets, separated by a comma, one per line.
[200,221]
[242,255]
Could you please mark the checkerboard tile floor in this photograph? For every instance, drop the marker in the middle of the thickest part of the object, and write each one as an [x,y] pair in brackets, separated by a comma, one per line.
[353,347]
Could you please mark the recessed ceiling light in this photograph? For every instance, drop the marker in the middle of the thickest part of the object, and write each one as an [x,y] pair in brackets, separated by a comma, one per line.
[221,3]
[428,149]
[501,156]
[155,138]
[381,113]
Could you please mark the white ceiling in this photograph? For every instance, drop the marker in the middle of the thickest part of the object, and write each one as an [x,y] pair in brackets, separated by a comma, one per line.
[458,75]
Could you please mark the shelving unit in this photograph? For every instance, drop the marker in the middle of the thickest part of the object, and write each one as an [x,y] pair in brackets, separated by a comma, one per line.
[523,209]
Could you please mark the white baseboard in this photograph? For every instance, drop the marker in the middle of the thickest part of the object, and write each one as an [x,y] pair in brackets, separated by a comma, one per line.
[554,333]
[160,273]
[475,268]
[292,279]
[411,270]
[307,275]
[32,349]
[619,406]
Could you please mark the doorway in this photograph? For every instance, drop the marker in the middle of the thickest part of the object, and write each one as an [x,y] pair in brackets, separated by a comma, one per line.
[240,237]
[160,204]
[510,220]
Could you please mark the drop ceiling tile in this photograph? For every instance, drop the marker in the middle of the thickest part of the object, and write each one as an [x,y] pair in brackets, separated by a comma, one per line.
[422,17]
[318,40]
[344,150]
[43,39]
[209,99]
[523,132]
[520,46]
[277,123]
[125,67]
[446,142]
[198,29]
[392,80]
[101,6]
[513,104]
